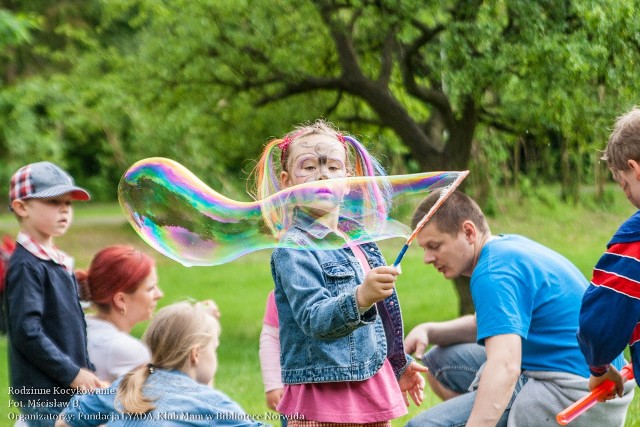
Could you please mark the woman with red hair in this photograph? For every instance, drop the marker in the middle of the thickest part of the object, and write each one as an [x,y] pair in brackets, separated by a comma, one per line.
[122,285]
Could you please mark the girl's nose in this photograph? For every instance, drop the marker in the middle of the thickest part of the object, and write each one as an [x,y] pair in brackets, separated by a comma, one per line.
[323,174]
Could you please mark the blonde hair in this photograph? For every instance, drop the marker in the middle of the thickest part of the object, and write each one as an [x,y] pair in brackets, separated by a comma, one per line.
[624,142]
[171,335]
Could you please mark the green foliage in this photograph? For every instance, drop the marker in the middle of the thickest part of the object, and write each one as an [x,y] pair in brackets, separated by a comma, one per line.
[532,87]
[15,29]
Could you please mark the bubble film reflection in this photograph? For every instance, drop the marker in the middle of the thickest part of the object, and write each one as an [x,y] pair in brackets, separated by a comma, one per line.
[184,219]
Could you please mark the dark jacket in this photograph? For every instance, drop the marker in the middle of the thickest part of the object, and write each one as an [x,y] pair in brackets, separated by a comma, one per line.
[45,328]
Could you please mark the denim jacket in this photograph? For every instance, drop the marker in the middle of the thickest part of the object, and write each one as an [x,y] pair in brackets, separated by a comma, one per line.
[178,400]
[323,337]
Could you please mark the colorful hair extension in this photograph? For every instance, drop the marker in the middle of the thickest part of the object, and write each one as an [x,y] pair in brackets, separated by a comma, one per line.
[376,198]
[268,183]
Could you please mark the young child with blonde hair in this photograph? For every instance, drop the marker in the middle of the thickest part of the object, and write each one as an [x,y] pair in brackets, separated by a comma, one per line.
[172,388]
[343,360]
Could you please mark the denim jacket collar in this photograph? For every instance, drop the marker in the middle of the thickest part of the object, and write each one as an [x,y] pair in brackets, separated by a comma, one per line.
[316,229]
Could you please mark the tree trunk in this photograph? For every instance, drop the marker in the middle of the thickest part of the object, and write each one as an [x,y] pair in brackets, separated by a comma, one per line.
[483,178]
[601,175]
[465,304]
[570,178]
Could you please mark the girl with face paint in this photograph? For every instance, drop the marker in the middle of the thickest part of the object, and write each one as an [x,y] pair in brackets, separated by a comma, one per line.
[340,329]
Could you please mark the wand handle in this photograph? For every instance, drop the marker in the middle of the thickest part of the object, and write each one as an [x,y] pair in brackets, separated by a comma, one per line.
[582,405]
[400,255]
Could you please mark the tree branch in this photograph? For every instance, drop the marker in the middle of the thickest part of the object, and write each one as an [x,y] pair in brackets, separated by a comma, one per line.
[309,84]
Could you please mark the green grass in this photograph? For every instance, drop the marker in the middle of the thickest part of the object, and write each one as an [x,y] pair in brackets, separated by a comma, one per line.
[240,287]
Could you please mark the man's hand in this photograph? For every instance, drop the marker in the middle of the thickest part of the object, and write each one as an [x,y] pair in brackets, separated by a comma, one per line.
[417,341]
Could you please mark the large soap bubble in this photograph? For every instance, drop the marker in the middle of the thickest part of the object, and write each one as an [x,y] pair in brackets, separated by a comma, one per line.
[183,218]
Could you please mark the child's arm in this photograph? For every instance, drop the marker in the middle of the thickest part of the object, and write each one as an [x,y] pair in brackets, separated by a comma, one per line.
[87,410]
[319,307]
[269,353]
[608,319]
[460,330]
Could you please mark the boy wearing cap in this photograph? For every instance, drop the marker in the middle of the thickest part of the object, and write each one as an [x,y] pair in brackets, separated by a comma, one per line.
[45,324]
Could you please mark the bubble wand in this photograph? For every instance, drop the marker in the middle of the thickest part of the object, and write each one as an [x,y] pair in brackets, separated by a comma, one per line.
[584,404]
[444,194]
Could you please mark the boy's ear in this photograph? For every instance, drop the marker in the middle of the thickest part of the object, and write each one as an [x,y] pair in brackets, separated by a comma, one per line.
[19,207]
[635,167]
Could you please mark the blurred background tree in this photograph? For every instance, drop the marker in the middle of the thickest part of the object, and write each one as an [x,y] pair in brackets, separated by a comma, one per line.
[522,93]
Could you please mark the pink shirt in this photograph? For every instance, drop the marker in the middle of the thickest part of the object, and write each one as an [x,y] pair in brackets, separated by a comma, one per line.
[378,398]
[271,311]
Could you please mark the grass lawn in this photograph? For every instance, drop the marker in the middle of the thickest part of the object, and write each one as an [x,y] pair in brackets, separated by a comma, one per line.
[240,287]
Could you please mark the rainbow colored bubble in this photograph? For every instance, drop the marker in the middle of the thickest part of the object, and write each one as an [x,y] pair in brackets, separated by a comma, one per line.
[184,219]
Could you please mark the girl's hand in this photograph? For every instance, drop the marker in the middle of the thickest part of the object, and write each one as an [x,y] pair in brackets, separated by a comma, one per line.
[273,398]
[412,382]
[377,285]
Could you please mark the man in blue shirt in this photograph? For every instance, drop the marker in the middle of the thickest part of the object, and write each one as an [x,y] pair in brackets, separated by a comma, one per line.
[516,361]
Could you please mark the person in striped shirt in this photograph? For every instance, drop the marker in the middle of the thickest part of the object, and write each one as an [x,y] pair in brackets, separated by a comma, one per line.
[610,311]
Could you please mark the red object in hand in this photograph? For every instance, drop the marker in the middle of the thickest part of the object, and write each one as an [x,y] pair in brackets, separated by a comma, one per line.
[582,405]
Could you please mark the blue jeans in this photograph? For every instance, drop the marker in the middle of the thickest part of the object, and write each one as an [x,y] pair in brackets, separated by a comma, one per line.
[457,367]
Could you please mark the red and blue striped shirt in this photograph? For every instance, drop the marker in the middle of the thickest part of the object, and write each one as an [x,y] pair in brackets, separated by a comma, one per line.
[610,312]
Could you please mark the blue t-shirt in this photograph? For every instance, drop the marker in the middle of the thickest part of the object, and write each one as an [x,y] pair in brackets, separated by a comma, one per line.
[522,287]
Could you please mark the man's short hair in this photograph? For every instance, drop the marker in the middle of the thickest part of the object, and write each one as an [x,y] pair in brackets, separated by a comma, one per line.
[449,217]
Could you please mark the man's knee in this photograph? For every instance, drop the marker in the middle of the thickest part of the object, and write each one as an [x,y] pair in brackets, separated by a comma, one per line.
[439,389]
